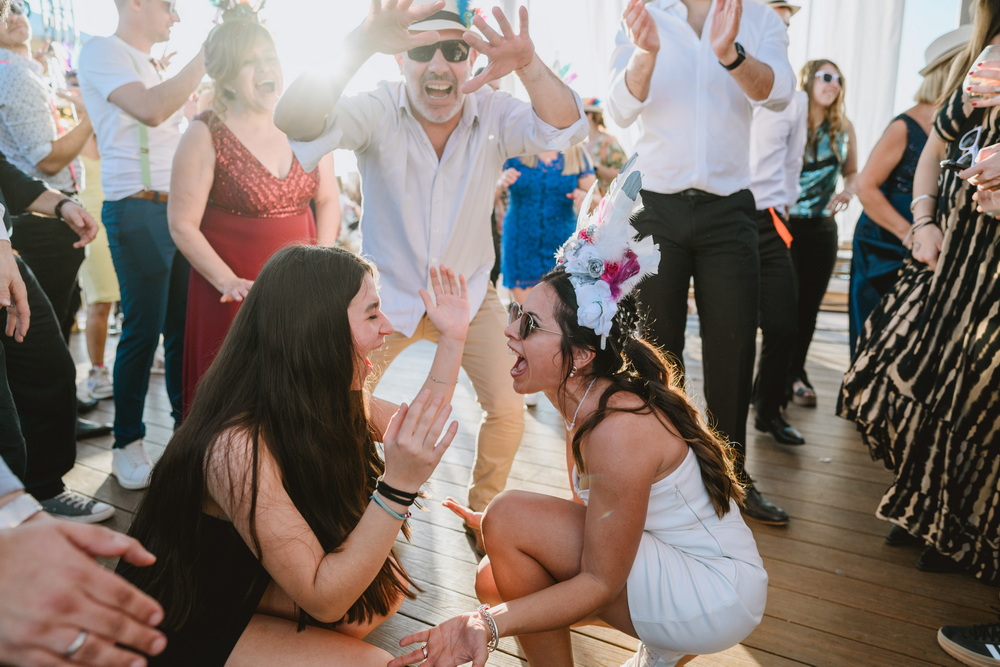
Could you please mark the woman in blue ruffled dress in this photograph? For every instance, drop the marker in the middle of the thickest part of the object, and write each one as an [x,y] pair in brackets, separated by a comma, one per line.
[543,189]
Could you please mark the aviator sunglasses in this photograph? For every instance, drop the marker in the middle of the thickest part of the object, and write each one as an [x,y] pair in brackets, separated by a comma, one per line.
[828,77]
[526,323]
[453,50]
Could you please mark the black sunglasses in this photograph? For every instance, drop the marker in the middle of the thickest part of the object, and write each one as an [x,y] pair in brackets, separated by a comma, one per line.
[526,323]
[453,50]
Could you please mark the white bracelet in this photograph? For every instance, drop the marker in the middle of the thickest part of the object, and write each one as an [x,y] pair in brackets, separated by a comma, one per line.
[913,204]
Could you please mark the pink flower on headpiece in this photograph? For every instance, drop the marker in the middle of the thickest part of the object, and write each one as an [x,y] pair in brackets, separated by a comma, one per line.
[615,273]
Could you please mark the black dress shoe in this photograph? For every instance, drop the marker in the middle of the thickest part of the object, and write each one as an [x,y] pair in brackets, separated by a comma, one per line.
[88,429]
[899,537]
[759,508]
[932,560]
[779,429]
[86,407]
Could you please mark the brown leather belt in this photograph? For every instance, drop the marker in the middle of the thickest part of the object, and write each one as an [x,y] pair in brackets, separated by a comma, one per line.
[150,195]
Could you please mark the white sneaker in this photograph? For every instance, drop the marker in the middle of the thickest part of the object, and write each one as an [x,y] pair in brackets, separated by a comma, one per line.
[531,400]
[131,465]
[71,506]
[99,384]
[646,658]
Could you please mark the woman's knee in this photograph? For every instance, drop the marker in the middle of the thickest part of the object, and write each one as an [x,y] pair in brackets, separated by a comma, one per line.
[505,511]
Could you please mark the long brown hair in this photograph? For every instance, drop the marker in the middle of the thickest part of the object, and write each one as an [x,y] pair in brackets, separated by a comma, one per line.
[575,160]
[985,26]
[835,115]
[633,365]
[283,377]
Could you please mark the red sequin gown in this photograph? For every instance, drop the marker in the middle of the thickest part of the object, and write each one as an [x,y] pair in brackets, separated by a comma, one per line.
[251,214]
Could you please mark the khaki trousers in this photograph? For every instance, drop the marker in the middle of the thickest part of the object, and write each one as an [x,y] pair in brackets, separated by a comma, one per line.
[487,364]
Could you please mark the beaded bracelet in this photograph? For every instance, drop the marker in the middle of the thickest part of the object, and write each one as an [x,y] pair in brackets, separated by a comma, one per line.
[394,494]
[484,612]
[394,513]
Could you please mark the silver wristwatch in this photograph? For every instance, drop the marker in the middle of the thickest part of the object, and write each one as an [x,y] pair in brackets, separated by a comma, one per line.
[19,510]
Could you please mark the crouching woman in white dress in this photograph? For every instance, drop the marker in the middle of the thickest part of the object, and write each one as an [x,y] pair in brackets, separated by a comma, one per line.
[658,548]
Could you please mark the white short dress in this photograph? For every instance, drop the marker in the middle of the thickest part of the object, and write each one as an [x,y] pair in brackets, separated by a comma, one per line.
[697,584]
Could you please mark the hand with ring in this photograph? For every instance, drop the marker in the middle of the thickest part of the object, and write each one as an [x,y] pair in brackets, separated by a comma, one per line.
[57,604]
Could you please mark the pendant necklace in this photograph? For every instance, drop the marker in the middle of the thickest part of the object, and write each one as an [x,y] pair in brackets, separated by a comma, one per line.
[571,425]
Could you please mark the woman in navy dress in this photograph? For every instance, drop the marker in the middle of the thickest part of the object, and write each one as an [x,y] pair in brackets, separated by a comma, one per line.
[885,188]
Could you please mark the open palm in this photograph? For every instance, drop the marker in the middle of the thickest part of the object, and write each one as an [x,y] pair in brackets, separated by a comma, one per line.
[449,309]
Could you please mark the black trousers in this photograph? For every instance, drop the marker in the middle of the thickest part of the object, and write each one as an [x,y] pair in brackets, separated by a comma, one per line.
[11,441]
[46,244]
[42,379]
[814,254]
[778,306]
[714,240]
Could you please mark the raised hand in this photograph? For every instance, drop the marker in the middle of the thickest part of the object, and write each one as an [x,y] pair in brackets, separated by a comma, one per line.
[386,29]
[507,51]
[413,442]
[725,27]
[449,309]
[455,642]
[640,27]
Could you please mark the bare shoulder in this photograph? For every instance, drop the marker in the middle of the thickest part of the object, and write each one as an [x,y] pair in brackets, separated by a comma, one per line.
[646,438]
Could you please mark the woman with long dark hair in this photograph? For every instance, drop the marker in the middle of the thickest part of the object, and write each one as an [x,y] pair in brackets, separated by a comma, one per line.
[271,510]
[831,153]
[658,550]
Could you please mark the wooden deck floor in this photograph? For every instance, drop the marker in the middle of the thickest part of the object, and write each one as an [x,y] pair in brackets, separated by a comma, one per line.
[838,594]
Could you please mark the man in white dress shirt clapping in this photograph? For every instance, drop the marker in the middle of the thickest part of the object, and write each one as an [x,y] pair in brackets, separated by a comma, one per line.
[689,73]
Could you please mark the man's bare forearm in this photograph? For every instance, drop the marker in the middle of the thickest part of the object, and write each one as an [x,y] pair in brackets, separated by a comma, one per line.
[302,111]
[639,74]
[552,100]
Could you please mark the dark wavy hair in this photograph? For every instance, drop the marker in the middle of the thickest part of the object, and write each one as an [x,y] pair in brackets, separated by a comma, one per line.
[635,366]
[283,377]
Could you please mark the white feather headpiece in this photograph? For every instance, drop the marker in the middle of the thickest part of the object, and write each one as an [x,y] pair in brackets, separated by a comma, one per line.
[602,258]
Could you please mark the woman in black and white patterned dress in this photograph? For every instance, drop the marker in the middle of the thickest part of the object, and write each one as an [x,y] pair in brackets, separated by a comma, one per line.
[924,387]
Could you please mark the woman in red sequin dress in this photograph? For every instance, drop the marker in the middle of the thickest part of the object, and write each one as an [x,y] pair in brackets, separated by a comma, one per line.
[237,193]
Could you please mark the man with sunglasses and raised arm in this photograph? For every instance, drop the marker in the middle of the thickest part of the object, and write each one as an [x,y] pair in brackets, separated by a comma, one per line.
[689,73]
[429,149]
[137,118]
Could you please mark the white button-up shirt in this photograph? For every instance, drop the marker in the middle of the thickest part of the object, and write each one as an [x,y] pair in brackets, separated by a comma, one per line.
[777,144]
[420,211]
[694,127]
